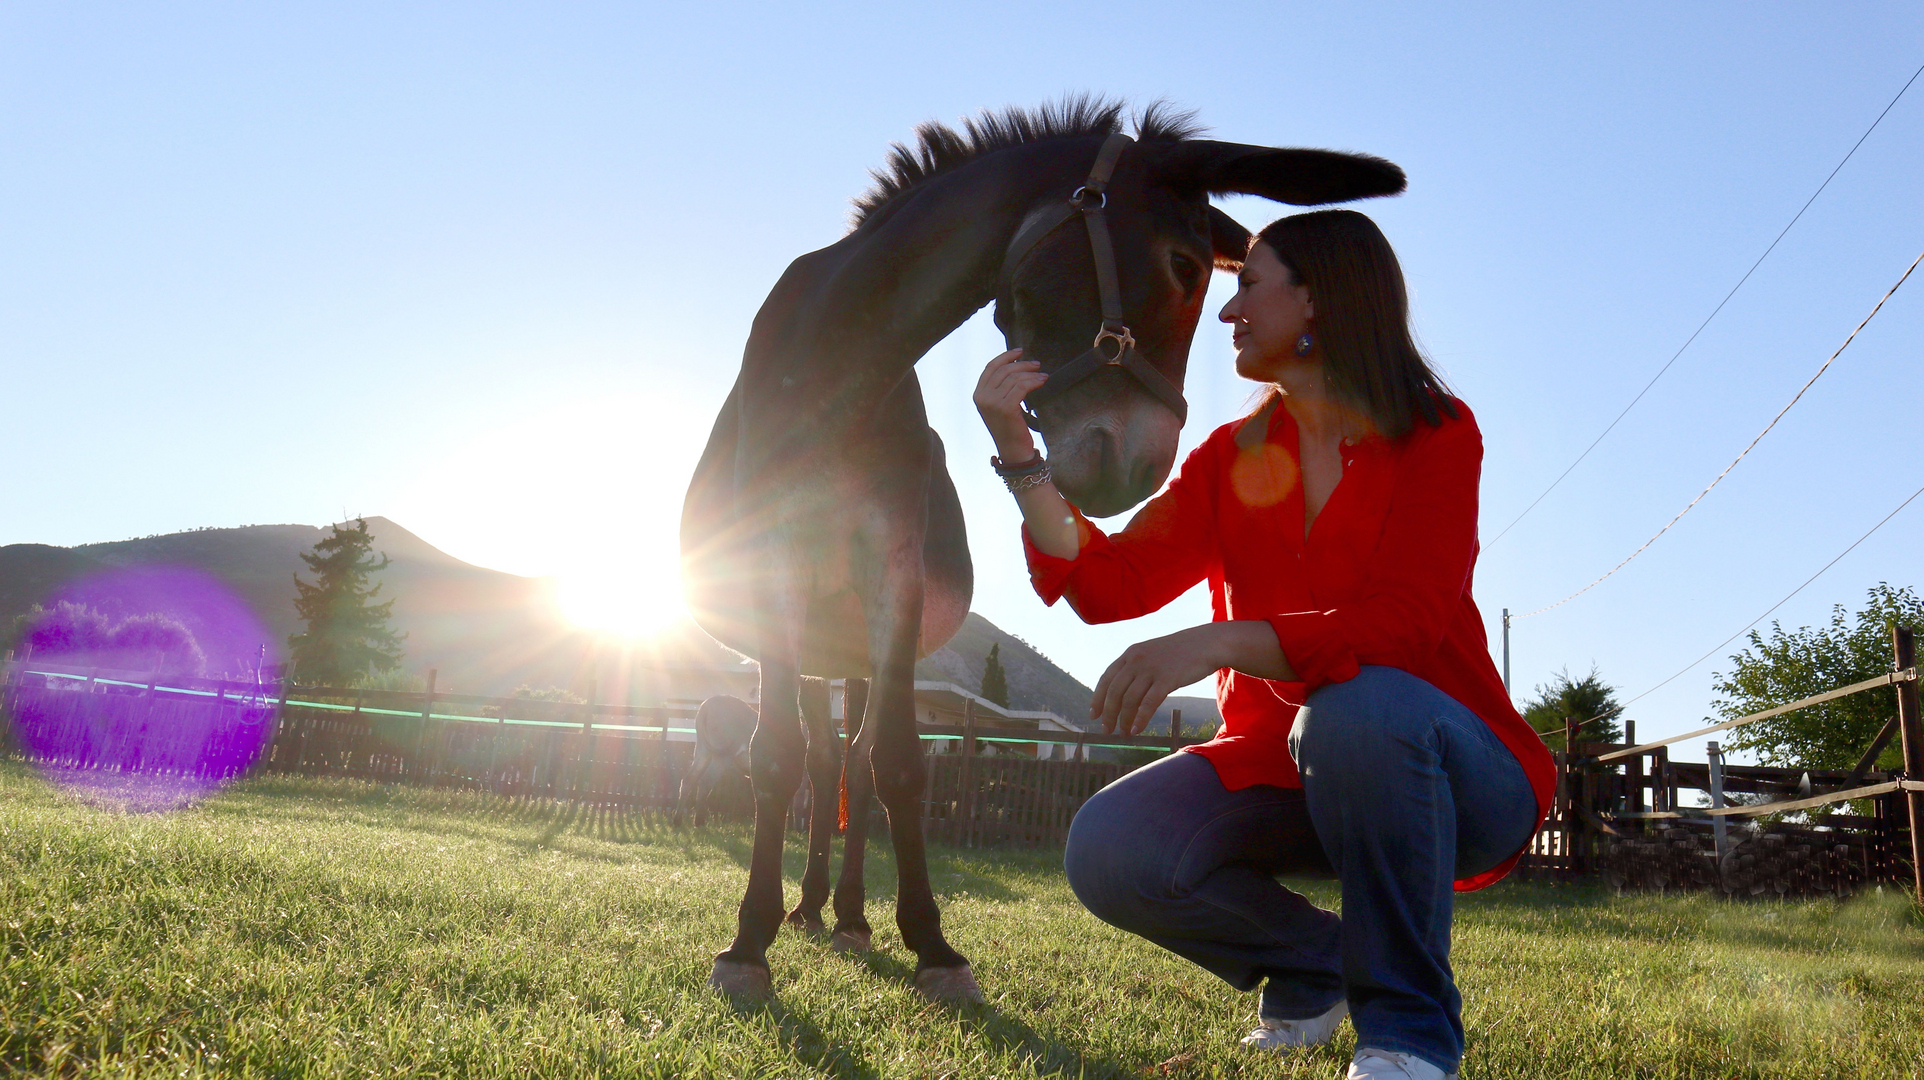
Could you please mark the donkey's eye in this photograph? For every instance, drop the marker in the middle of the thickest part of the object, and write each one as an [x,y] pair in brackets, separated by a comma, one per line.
[1188,271]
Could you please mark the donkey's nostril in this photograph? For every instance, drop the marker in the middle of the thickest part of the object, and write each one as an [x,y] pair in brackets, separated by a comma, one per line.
[1108,450]
[1143,482]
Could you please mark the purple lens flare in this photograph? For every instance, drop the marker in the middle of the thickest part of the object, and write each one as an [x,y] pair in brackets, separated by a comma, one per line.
[146,688]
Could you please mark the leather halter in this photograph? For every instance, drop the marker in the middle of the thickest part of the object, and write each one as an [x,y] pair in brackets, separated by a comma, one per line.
[1114,345]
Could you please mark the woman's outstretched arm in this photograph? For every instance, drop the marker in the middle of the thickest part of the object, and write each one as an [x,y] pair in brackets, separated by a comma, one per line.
[998,397]
[1168,546]
[1135,686]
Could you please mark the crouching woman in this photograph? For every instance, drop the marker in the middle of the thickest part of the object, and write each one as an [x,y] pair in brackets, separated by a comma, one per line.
[1365,730]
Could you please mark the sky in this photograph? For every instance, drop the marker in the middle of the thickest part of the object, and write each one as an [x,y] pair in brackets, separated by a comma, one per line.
[487,269]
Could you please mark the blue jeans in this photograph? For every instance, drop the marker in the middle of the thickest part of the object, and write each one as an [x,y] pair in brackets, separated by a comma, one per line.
[1404,790]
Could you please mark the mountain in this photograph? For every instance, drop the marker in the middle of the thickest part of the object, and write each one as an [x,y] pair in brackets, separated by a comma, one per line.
[1035,682]
[486,632]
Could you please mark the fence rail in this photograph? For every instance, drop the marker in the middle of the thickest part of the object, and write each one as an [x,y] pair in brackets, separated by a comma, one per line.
[626,756]
[1616,814]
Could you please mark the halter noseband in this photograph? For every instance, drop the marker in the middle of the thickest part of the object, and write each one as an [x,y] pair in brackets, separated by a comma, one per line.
[1114,345]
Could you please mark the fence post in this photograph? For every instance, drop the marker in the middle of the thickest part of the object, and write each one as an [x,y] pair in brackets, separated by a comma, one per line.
[11,679]
[427,713]
[968,772]
[1175,730]
[585,770]
[1632,771]
[1911,729]
[1718,831]
[1574,838]
[1661,795]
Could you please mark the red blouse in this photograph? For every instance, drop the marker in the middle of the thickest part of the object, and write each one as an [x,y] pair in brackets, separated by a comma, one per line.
[1382,578]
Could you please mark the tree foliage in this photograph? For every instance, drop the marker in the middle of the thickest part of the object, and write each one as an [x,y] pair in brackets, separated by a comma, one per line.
[75,634]
[995,681]
[347,632]
[1576,699]
[1792,664]
[529,692]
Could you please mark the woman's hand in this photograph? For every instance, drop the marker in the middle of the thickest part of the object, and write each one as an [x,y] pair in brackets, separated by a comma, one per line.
[1135,686]
[998,397]
[1129,693]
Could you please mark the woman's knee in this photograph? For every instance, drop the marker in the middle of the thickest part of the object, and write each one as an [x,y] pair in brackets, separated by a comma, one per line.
[1116,857]
[1350,728]
[1096,856]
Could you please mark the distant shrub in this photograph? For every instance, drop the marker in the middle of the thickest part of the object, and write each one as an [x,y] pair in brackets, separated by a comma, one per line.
[391,679]
[70,633]
[547,693]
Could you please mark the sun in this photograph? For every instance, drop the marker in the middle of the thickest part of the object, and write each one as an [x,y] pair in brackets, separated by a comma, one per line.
[619,600]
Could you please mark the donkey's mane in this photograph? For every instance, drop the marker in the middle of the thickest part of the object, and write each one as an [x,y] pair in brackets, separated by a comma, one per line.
[940,148]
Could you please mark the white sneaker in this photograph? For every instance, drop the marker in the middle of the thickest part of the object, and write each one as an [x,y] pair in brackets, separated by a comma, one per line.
[1373,1064]
[1273,1034]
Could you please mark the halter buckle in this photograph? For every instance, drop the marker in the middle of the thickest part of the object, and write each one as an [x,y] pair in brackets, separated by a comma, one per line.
[1077,196]
[1125,341]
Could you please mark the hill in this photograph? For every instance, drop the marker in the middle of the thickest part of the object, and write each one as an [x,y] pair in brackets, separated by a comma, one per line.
[1035,682]
[487,632]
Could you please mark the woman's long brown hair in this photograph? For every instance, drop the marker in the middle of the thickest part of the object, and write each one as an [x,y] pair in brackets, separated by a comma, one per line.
[1362,317]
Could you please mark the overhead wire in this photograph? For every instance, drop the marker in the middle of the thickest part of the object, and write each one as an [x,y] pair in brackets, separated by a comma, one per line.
[1707,319]
[1767,613]
[1746,451]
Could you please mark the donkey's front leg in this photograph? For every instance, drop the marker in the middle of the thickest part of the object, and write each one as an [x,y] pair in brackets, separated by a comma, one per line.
[941,973]
[852,933]
[824,775]
[775,756]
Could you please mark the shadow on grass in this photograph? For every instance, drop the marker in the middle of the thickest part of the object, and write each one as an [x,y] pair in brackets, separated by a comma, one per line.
[443,810]
[997,1029]
[1885,920]
[805,1039]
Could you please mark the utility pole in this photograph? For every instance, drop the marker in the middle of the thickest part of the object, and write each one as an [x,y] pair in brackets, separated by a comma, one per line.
[1506,650]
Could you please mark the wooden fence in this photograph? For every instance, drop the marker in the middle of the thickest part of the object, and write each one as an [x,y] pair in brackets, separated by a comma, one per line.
[1618,813]
[179,733]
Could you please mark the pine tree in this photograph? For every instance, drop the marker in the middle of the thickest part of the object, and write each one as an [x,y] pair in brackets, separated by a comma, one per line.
[995,681]
[1588,699]
[347,633]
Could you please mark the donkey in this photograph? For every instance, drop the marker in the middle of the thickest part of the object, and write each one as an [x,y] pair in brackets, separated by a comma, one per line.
[821,533]
[723,726]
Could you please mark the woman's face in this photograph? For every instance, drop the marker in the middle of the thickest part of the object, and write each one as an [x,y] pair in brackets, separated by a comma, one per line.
[1268,313]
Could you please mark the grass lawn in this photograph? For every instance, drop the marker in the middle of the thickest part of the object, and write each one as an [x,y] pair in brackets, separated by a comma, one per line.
[298,927]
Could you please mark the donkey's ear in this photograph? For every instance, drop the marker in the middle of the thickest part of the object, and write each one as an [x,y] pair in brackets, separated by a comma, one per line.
[1303,177]
[1228,239]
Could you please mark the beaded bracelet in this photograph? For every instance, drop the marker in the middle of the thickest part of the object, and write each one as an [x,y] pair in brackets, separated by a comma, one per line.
[1022,475]
[1024,482]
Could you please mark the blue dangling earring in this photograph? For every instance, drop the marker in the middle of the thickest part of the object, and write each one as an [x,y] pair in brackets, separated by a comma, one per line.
[1304,344]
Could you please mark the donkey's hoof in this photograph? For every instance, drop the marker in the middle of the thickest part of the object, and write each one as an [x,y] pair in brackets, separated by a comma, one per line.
[738,980]
[949,985]
[849,941]
[808,922]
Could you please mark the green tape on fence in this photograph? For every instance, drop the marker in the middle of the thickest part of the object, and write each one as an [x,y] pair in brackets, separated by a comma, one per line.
[330,706]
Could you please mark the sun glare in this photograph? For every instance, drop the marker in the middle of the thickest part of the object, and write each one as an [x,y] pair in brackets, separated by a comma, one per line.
[619,602]
[586,492]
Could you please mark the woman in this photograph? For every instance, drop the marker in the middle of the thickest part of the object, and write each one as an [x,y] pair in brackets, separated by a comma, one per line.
[1365,731]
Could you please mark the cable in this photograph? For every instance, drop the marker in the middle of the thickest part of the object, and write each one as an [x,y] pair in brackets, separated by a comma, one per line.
[1773,607]
[1707,318]
[1746,451]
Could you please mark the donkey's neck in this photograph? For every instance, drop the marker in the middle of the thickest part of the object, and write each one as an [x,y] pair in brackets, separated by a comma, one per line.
[846,323]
